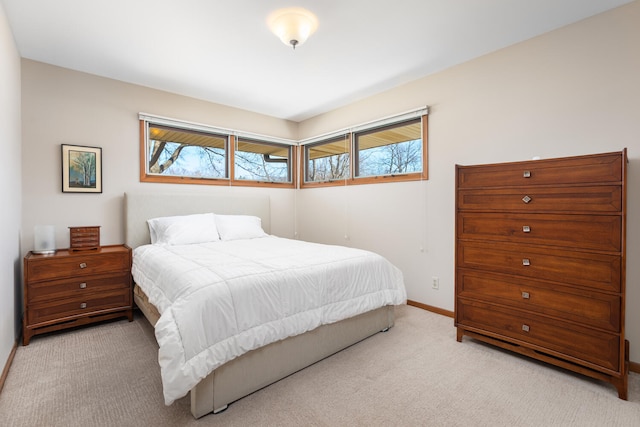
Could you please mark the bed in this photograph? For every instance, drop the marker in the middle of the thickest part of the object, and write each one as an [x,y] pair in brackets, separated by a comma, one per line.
[261,366]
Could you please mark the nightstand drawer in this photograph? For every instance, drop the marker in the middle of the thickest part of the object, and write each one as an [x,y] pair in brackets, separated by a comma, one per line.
[76,265]
[60,309]
[46,291]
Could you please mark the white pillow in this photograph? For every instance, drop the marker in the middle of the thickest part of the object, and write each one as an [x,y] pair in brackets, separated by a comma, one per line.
[233,227]
[183,230]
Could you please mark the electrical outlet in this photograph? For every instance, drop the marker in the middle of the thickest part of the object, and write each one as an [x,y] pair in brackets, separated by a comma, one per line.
[435,283]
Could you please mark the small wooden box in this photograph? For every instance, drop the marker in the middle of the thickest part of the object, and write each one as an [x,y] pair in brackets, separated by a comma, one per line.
[84,238]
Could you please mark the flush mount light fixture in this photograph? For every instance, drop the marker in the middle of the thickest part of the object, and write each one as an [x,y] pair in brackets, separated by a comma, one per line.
[292,25]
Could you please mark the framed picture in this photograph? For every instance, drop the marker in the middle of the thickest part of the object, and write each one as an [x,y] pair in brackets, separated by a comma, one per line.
[81,169]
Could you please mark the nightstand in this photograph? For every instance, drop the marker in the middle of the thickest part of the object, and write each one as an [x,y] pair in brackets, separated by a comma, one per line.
[72,288]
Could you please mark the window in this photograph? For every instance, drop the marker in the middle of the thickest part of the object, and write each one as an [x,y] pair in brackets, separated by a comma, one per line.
[185,153]
[385,151]
[262,161]
[390,150]
[179,152]
[327,160]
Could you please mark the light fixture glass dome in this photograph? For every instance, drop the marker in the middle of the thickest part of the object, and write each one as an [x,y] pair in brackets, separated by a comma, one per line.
[292,25]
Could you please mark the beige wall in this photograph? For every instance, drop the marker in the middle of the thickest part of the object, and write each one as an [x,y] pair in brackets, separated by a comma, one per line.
[569,92]
[10,191]
[572,91]
[61,106]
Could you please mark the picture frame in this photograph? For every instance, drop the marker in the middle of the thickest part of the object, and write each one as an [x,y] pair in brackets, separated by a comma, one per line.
[81,169]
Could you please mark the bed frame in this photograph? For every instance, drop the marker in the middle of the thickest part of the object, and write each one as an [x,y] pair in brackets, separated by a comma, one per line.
[263,366]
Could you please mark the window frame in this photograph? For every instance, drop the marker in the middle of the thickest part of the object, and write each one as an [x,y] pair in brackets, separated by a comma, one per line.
[291,173]
[304,153]
[353,157]
[297,170]
[146,176]
[230,148]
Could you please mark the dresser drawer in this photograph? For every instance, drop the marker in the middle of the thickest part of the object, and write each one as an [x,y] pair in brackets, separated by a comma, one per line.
[77,265]
[549,335]
[592,270]
[604,199]
[81,305]
[589,308]
[45,291]
[597,232]
[577,170]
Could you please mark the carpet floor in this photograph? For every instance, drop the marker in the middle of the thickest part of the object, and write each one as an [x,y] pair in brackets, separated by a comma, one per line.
[416,374]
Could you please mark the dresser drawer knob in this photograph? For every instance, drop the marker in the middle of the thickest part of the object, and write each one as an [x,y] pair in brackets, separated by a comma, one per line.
[525,261]
[525,295]
[83,265]
[83,305]
[526,229]
[83,285]
[526,174]
[525,328]
[526,199]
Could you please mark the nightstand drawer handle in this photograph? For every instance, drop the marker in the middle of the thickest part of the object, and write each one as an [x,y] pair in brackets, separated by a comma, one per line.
[526,229]
[525,295]
[526,174]
[525,328]
[526,199]
[83,305]
[83,265]
[526,262]
[83,285]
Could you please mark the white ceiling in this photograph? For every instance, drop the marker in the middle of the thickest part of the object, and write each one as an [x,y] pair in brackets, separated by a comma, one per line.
[222,50]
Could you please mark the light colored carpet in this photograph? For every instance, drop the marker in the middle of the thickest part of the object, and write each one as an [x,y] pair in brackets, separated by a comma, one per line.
[415,374]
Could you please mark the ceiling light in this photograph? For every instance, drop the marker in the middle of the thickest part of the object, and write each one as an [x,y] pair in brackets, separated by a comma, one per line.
[292,25]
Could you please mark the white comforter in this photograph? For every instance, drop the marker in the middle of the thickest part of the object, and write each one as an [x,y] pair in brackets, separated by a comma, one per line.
[222,299]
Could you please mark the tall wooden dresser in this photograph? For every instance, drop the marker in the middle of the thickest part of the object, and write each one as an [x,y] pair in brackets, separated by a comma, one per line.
[540,261]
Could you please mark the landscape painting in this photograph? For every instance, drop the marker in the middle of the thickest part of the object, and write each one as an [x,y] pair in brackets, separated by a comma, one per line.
[81,169]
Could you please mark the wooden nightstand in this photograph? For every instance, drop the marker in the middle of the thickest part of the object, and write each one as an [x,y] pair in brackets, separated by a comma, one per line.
[69,289]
